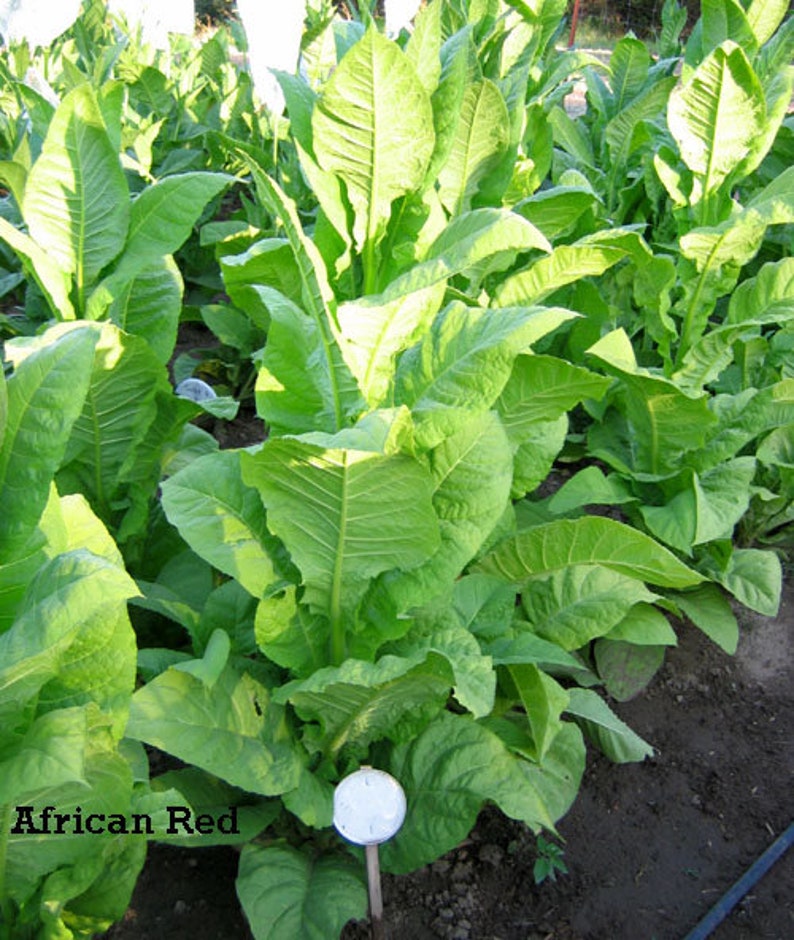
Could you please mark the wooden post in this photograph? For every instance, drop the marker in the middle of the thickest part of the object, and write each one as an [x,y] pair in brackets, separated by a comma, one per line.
[375,895]
[574,20]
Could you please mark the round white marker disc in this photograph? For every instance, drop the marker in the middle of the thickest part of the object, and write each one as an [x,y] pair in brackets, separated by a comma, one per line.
[369,807]
[195,389]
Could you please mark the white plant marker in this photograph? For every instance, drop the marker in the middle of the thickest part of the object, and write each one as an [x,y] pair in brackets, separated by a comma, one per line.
[37,21]
[195,390]
[273,29]
[369,808]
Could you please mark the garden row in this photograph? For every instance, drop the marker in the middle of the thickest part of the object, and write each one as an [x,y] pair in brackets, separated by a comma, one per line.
[435,288]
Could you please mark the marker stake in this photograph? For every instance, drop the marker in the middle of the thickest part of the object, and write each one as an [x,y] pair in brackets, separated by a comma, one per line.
[369,808]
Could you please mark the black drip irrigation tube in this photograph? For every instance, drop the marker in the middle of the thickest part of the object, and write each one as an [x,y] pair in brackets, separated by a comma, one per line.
[751,877]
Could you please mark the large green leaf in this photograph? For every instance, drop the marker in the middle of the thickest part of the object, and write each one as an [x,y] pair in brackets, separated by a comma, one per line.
[374,331]
[448,772]
[605,729]
[577,603]
[317,300]
[304,383]
[45,395]
[162,217]
[360,702]
[716,115]
[463,363]
[591,540]
[297,894]
[471,473]
[344,516]
[48,274]
[373,127]
[231,729]
[222,519]
[116,445]
[59,607]
[149,306]
[541,388]
[588,257]
[76,203]
[50,752]
[544,700]
[665,423]
[480,141]
[441,632]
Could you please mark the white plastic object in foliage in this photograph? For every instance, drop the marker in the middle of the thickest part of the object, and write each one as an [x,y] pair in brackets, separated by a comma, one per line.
[399,14]
[195,390]
[157,18]
[273,29]
[37,21]
[369,807]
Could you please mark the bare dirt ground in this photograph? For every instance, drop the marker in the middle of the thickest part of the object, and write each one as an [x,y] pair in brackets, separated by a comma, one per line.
[650,847]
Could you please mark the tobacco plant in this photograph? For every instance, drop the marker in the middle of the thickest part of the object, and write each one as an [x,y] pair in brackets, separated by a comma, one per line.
[446,286]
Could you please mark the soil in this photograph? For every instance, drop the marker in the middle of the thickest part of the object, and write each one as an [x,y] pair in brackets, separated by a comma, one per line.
[649,847]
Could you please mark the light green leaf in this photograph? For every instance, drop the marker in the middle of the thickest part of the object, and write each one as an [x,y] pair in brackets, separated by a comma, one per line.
[464,362]
[304,384]
[629,62]
[471,488]
[481,139]
[360,702]
[374,331]
[448,772]
[580,602]
[344,515]
[45,395]
[542,388]
[269,262]
[222,519]
[49,753]
[605,729]
[591,540]
[544,701]
[60,604]
[541,443]
[764,17]
[743,418]
[770,294]
[524,646]
[565,265]
[485,605]
[149,305]
[556,779]
[709,610]
[290,635]
[288,893]
[475,679]
[715,116]
[373,127]
[646,626]
[51,278]
[162,217]
[76,203]
[665,423]
[231,730]
[116,445]
[754,577]
[590,487]
[209,668]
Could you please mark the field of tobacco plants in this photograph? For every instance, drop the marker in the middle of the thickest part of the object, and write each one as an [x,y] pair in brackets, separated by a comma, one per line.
[373,410]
